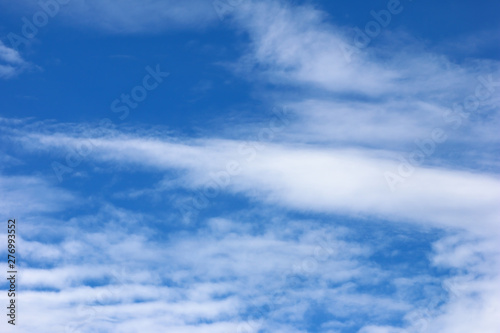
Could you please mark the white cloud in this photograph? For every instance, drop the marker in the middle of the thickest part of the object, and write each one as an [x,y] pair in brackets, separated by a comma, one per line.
[132,16]
[394,125]
[386,96]
[348,181]
[193,283]
[295,45]
[11,62]
[473,292]
[21,195]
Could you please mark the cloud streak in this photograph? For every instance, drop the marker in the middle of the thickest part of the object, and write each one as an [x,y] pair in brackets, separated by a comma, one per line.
[11,62]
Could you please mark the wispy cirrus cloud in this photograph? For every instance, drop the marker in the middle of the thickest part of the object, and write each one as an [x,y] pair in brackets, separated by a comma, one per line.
[23,193]
[229,275]
[131,16]
[308,178]
[297,46]
[11,62]
[473,291]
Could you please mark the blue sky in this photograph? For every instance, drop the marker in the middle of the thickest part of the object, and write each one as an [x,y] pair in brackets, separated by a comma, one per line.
[252,166]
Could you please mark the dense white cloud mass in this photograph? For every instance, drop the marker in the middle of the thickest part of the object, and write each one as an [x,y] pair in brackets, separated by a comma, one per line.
[311,178]
[362,141]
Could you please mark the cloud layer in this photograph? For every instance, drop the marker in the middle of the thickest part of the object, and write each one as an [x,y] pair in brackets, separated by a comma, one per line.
[354,208]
